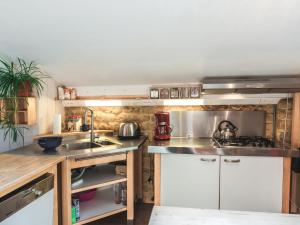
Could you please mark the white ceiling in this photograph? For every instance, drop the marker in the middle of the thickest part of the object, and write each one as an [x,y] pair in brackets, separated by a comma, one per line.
[108,42]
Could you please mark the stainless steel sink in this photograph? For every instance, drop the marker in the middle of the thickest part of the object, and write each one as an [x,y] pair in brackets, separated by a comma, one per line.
[106,142]
[81,145]
[87,145]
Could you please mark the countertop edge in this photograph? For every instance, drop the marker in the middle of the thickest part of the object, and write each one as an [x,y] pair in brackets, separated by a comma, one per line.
[22,180]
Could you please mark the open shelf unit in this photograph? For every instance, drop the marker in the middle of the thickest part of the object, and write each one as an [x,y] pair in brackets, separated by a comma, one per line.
[99,176]
[101,206]
[21,110]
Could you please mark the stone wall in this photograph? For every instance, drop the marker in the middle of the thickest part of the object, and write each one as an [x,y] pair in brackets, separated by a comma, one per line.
[111,117]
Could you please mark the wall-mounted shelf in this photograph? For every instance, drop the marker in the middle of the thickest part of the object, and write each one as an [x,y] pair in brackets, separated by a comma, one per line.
[25,113]
[225,99]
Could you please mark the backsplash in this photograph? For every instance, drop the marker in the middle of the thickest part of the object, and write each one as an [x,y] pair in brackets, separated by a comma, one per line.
[111,117]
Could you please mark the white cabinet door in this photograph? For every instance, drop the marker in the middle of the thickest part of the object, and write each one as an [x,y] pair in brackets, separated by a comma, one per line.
[190,181]
[251,183]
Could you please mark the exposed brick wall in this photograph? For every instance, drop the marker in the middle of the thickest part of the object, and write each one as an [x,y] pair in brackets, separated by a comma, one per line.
[111,117]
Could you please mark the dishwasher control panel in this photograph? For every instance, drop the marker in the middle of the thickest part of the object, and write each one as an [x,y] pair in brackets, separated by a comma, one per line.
[18,199]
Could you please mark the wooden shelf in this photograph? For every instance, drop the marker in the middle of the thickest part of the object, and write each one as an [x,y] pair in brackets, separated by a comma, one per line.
[101,206]
[224,99]
[99,176]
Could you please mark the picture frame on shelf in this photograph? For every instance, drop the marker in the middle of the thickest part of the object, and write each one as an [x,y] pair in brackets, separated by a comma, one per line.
[184,92]
[154,93]
[195,92]
[164,93]
[174,93]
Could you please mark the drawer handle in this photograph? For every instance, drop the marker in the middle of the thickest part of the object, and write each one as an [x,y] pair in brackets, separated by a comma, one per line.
[208,160]
[232,160]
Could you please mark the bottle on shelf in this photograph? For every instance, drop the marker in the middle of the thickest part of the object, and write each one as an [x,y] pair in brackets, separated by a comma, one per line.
[124,193]
[117,191]
[76,209]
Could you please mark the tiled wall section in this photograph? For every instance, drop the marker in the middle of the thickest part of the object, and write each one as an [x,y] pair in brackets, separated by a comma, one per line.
[111,117]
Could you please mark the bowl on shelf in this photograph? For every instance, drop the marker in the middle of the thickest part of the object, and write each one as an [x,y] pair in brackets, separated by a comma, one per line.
[49,144]
[86,195]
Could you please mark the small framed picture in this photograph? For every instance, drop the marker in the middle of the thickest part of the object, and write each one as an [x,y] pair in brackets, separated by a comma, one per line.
[164,93]
[195,92]
[154,93]
[174,93]
[184,92]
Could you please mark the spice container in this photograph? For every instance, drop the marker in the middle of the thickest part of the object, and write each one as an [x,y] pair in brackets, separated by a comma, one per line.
[73,94]
[77,123]
[117,191]
[74,123]
[60,93]
[124,193]
[67,94]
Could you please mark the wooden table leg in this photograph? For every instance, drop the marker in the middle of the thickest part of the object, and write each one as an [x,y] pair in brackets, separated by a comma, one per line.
[157,161]
[130,188]
[53,170]
[66,193]
[286,186]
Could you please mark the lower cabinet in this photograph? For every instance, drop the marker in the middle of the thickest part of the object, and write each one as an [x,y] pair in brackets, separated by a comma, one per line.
[251,183]
[222,182]
[190,181]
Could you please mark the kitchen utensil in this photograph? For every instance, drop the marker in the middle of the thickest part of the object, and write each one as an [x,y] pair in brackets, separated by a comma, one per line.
[226,130]
[85,127]
[50,143]
[129,130]
[162,129]
[77,174]
[86,195]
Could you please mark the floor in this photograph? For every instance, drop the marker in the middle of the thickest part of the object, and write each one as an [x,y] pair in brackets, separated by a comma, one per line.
[142,216]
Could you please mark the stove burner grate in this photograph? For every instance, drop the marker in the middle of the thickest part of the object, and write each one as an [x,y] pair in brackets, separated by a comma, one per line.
[244,141]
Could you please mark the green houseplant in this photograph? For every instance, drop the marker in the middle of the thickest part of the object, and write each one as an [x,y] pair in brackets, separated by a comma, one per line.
[17,79]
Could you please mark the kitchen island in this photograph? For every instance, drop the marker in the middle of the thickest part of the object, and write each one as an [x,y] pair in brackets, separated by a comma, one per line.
[243,178]
[181,216]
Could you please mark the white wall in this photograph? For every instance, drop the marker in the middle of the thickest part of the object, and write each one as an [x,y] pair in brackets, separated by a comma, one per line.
[108,42]
[46,108]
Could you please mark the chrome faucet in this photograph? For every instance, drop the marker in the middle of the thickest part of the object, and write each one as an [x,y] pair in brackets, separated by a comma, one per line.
[92,122]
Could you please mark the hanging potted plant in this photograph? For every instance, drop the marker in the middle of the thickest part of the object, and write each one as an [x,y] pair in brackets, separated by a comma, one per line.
[20,79]
[17,80]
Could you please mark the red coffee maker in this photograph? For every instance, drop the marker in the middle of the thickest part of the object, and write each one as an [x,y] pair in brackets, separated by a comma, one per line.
[162,129]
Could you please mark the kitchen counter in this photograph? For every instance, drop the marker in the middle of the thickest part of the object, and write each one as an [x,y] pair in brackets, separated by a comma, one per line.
[122,146]
[74,133]
[180,216]
[17,170]
[205,146]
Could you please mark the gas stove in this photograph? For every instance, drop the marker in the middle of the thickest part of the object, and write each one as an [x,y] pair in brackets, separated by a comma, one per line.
[246,141]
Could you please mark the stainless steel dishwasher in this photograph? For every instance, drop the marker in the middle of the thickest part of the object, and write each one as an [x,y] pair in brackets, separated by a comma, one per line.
[31,204]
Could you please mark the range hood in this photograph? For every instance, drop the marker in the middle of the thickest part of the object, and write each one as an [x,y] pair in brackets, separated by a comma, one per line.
[251,84]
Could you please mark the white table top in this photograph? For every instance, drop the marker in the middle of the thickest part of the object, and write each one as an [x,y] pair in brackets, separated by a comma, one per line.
[162,215]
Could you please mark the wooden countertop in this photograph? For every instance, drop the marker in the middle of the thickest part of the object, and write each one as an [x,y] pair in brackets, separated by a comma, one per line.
[69,134]
[162,215]
[17,170]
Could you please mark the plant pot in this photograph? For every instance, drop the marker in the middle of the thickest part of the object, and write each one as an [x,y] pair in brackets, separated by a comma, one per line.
[24,89]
